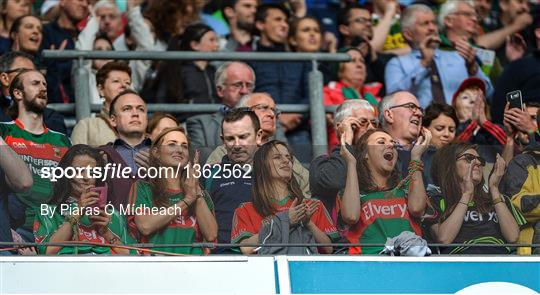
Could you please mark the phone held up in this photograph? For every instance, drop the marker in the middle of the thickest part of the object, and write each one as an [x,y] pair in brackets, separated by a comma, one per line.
[514,99]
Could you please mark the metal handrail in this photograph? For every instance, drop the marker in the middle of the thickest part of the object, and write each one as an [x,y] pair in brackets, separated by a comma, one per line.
[194,55]
[316,107]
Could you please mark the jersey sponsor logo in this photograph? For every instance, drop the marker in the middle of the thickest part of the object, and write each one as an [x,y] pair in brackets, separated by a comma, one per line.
[374,209]
[90,235]
[184,222]
[475,216]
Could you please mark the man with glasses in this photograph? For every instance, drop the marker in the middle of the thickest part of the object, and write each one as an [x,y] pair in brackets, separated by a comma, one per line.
[400,115]
[328,173]
[266,110]
[11,64]
[429,73]
[233,80]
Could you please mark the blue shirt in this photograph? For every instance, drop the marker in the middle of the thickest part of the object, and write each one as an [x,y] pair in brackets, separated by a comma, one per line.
[227,194]
[406,73]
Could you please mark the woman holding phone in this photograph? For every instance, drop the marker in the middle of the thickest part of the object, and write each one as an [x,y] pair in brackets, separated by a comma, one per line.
[467,213]
[184,212]
[77,212]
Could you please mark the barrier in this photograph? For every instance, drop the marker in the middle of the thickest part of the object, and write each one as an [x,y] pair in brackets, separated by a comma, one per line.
[318,121]
[271,275]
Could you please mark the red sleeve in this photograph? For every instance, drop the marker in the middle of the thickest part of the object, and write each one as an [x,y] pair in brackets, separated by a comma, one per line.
[467,133]
[322,220]
[243,226]
[496,131]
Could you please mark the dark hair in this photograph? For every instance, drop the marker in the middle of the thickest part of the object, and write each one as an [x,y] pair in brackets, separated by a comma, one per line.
[164,16]
[344,14]
[365,180]
[103,73]
[435,109]
[159,185]
[7,59]
[262,11]
[17,82]
[192,33]
[238,114]
[115,99]
[224,5]
[17,24]
[156,118]
[262,188]
[103,36]
[293,25]
[538,117]
[444,175]
[62,188]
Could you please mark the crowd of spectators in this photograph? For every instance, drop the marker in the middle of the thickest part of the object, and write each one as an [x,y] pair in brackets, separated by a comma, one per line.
[423,140]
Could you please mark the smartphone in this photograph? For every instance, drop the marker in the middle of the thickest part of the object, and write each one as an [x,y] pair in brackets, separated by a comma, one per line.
[514,99]
[102,191]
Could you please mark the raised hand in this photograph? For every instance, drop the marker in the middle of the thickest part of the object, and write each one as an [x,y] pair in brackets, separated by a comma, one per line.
[497,173]
[345,153]
[427,49]
[421,145]
[297,212]
[100,222]
[311,208]
[191,184]
[468,185]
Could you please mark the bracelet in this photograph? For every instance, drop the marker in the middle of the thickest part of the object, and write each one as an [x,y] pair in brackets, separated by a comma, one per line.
[188,206]
[466,204]
[416,165]
[72,220]
[497,200]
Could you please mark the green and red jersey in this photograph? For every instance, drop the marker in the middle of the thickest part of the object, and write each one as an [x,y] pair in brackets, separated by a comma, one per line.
[45,226]
[37,151]
[182,230]
[383,215]
[247,221]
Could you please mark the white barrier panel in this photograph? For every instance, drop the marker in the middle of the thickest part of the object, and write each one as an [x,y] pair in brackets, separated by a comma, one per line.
[137,275]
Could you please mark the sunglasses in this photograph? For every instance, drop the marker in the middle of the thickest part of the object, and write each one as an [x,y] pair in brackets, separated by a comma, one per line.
[470,158]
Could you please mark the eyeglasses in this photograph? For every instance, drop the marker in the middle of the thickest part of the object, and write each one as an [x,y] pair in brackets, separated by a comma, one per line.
[16,70]
[239,85]
[470,157]
[266,108]
[467,14]
[364,123]
[361,20]
[410,106]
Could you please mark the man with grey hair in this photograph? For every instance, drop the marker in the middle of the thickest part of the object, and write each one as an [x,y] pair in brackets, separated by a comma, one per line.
[328,173]
[233,80]
[429,73]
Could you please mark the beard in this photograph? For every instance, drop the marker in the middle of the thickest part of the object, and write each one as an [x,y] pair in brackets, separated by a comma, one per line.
[33,105]
[248,27]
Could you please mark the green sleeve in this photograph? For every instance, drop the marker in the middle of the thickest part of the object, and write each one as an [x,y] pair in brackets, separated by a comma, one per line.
[143,195]
[45,226]
[208,200]
[118,226]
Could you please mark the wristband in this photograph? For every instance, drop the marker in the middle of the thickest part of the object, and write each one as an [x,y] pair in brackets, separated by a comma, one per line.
[497,200]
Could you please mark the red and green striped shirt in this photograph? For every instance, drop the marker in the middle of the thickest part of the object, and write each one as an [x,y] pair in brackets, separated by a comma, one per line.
[37,151]
[382,215]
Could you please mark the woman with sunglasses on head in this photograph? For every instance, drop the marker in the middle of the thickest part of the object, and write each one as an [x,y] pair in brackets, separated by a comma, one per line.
[276,192]
[176,210]
[466,212]
[376,204]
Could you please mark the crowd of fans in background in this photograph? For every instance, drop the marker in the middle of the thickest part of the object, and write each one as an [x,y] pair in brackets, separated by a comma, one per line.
[429,136]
